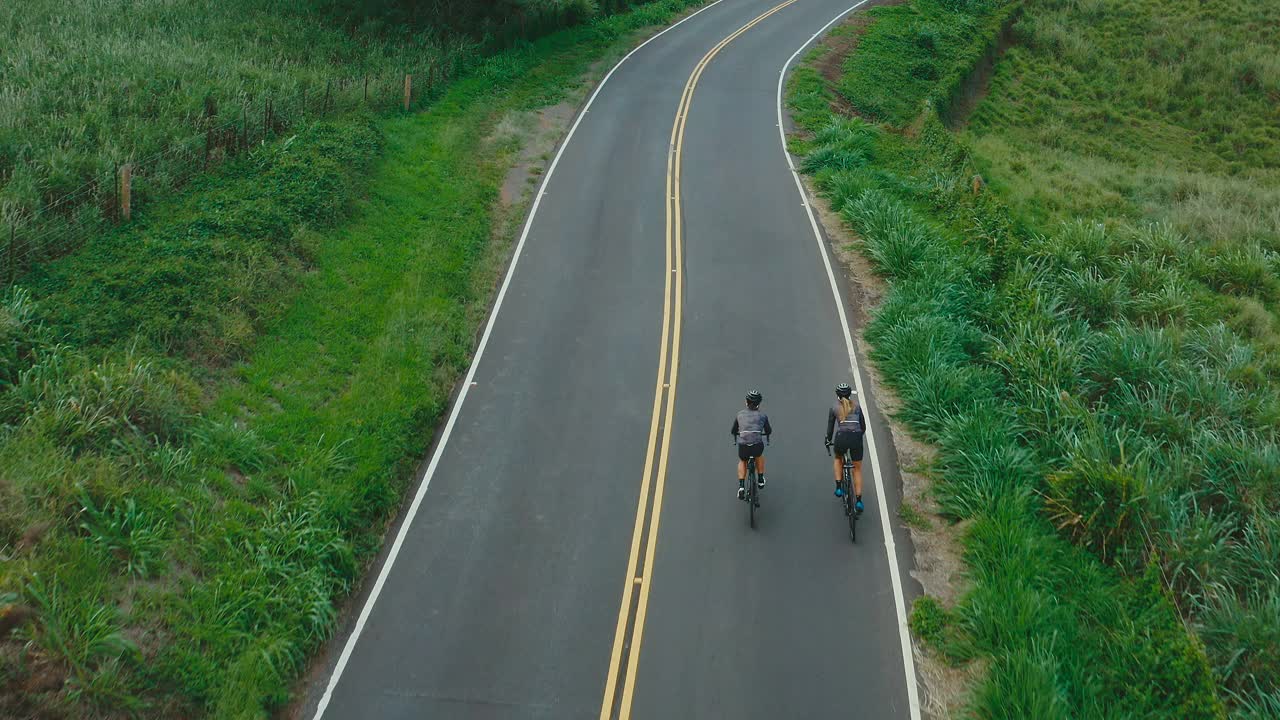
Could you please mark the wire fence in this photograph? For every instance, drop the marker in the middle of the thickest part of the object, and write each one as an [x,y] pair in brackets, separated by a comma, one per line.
[62,224]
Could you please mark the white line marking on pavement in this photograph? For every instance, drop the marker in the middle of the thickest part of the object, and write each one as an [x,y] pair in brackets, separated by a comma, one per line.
[425,481]
[904,635]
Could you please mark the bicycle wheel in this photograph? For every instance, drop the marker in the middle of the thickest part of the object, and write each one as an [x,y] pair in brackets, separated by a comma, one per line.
[850,511]
[751,493]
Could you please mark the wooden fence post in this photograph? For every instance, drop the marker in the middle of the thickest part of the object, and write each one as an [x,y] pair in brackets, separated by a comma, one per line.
[366,89]
[408,91]
[126,191]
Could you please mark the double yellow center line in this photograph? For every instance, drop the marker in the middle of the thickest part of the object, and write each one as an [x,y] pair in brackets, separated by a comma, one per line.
[619,688]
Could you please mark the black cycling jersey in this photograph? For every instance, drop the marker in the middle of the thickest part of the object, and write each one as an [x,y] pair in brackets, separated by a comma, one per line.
[854,422]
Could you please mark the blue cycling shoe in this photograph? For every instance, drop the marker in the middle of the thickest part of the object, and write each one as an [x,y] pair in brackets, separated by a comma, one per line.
[858,506]
[839,491]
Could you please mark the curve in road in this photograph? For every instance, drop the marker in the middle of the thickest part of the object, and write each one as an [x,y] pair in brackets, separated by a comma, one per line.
[497,598]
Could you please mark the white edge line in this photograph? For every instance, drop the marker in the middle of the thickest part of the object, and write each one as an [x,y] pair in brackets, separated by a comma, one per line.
[425,481]
[904,635]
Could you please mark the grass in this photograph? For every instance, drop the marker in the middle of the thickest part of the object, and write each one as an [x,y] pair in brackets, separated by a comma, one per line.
[1179,131]
[1089,337]
[209,416]
[913,518]
[937,627]
[174,87]
[933,46]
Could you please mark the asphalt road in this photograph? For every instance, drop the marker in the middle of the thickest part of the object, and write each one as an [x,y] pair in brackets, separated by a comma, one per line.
[577,515]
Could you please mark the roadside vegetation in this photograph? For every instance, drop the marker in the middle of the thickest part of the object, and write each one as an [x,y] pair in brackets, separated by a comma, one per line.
[208,415]
[1084,280]
[173,89]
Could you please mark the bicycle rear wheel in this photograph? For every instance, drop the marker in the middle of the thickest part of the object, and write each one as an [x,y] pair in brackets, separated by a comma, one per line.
[752,502]
[850,511]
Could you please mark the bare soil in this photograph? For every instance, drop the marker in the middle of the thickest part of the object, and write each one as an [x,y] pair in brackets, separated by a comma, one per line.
[538,131]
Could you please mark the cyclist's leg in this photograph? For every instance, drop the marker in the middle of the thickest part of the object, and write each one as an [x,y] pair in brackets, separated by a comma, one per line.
[856,451]
[842,450]
[742,472]
[855,454]
[757,451]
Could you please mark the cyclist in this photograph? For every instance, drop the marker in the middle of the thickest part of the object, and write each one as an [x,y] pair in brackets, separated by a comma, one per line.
[846,426]
[750,428]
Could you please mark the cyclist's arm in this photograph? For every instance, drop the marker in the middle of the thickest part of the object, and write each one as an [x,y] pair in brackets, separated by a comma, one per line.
[734,431]
[767,430]
[831,424]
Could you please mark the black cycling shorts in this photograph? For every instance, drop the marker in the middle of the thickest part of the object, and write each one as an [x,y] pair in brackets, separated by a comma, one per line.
[851,442]
[750,451]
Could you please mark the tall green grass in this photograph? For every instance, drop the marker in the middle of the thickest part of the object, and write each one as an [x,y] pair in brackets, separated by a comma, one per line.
[173,88]
[207,417]
[934,45]
[1178,129]
[1102,380]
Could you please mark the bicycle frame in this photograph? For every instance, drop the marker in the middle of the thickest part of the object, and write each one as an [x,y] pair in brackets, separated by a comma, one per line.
[846,485]
[752,490]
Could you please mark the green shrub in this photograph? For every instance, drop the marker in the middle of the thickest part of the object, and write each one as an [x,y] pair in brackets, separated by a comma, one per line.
[122,531]
[926,37]
[1173,675]
[983,465]
[938,628]
[86,406]
[1100,504]
[1243,640]
[924,70]
[80,630]
[1242,271]
[1023,684]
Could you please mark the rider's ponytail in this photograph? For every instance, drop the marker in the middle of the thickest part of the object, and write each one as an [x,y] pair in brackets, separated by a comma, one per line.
[846,407]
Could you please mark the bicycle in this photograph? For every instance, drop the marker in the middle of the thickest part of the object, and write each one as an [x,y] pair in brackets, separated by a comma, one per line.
[753,490]
[846,485]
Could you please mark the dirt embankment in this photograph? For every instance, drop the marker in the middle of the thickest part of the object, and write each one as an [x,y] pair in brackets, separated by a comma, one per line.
[955,114]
